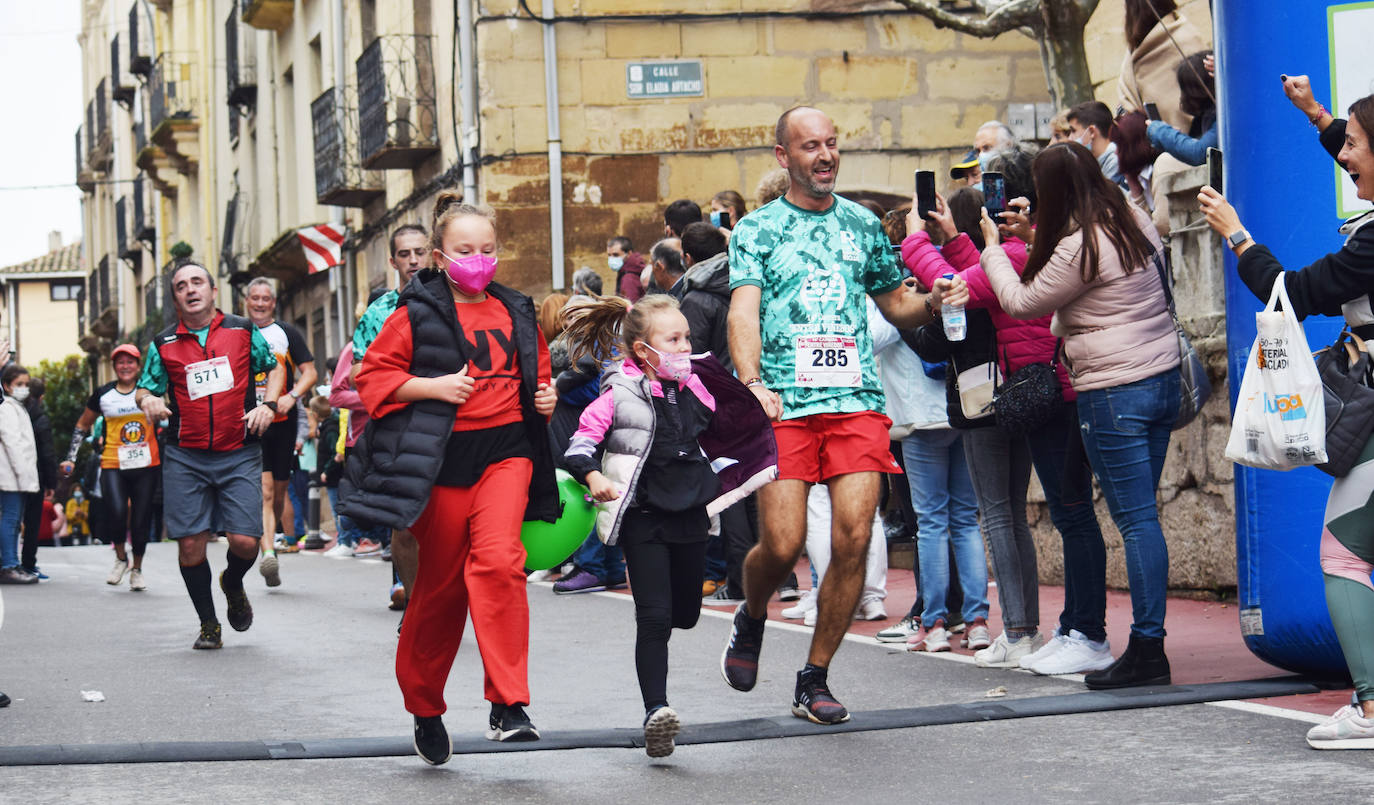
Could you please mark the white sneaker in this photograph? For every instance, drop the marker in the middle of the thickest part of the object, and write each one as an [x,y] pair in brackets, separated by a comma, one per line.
[931,640]
[1347,729]
[1007,653]
[136,581]
[977,637]
[1078,655]
[809,619]
[871,610]
[270,570]
[904,629]
[805,604]
[117,572]
[340,550]
[539,575]
[1048,649]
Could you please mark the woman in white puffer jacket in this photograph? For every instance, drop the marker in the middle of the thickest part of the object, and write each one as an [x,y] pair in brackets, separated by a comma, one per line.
[18,470]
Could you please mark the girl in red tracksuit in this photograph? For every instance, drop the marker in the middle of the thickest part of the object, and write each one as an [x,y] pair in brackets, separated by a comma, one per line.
[471,557]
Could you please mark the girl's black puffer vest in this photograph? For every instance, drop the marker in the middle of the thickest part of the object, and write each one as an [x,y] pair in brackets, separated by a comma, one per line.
[394,464]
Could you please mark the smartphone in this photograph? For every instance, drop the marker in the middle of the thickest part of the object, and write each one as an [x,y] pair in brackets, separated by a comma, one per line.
[1214,169]
[925,194]
[994,194]
[721,218]
[1152,111]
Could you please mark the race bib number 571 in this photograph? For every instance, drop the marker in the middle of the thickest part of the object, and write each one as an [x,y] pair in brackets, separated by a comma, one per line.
[827,361]
[207,377]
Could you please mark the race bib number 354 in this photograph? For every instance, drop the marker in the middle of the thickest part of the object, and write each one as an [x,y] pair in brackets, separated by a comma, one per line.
[826,361]
[207,377]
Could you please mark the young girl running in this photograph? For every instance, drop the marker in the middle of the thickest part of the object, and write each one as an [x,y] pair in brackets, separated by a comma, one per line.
[129,464]
[655,482]
[457,384]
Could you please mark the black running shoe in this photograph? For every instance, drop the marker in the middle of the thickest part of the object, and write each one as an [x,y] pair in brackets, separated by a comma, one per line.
[508,722]
[431,740]
[813,701]
[4,700]
[240,611]
[209,636]
[739,664]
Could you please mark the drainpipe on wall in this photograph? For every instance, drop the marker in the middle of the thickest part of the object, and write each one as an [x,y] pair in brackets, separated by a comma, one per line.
[338,286]
[467,98]
[13,303]
[555,149]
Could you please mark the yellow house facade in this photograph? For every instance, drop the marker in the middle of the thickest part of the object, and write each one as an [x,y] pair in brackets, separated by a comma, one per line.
[41,301]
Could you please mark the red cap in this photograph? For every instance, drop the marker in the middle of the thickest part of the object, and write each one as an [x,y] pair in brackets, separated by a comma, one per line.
[126,349]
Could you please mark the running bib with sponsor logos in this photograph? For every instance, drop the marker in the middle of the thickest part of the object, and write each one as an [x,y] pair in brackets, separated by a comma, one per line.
[207,377]
[130,441]
[134,456]
[824,361]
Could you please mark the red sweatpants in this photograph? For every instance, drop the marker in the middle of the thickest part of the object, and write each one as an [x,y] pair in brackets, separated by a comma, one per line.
[471,558]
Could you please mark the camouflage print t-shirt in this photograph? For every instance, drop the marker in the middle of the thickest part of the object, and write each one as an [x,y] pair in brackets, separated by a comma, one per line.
[814,269]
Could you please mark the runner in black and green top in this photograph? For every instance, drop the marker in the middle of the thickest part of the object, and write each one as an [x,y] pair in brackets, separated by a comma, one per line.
[799,269]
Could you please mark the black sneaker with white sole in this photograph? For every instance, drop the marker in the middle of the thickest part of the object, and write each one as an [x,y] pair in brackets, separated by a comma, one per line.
[240,612]
[432,743]
[739,663]
[813,700]
[660,728]
[508,722]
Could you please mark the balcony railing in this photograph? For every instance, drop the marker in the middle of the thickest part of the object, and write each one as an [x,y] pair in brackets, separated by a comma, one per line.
[85,179]
[239,61]
[98,129]
[122,224]
[235,245]
[140,43]
[123,87]
[339,178]
[104,271]
[170,94]
[397,121]
[144,227]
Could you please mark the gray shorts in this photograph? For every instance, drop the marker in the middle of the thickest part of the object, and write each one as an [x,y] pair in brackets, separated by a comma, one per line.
[210,491]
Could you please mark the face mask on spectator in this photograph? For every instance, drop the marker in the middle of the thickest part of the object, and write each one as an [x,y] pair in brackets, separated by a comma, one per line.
[471,273]
[615,263]
[985,159]
[20,393]
[673,365]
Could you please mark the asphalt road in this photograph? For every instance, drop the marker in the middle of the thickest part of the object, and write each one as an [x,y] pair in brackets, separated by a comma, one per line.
[317,664]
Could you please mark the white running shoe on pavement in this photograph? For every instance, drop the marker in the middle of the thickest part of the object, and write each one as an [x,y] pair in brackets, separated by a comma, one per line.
[117,572]
[270,570]
[1055,643]
[805,604]
[906,627]
[136,581]
[977,637]
[871,609]
[340,551]
[1007,653]
[931,640]
[809,619]
[1347,729]
[1078,655]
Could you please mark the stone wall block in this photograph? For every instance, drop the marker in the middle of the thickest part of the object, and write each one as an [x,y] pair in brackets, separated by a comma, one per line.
[866,77]
[625,179]
[732,38]
[966,78]
[647,40]
[779,78]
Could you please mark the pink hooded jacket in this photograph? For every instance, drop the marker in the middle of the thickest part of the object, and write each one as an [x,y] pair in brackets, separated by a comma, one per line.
[1020,342]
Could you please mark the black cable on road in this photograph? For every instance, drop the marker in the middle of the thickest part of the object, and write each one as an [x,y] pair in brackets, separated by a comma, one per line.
[753,729]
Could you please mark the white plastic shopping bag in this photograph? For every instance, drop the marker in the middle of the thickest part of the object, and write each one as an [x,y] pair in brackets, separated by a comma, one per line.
[1280,418]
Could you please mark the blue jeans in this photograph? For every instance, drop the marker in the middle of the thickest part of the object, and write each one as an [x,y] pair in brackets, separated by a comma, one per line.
[606,562]
[1126,434]
[298,490]
[349,532]
[11,515]
[946,515]
[1068,487]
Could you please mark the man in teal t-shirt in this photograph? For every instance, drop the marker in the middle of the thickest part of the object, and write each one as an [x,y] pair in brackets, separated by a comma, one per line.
[799,269]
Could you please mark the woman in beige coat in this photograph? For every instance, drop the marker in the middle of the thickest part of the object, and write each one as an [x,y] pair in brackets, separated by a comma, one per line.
[18,471]
[1093,267]
[1159,38]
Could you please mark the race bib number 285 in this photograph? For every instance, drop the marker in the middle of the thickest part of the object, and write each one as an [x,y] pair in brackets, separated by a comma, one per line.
[824,361]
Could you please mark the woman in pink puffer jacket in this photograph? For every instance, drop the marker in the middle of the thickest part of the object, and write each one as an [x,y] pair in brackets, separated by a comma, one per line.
[1003,462]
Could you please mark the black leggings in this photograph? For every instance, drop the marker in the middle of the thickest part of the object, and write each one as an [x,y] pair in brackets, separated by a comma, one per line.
[665,578]
[128,499]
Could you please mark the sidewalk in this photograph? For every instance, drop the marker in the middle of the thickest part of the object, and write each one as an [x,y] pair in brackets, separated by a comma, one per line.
[1204,643]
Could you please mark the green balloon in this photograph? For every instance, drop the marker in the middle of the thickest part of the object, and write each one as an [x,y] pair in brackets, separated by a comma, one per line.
[547,545]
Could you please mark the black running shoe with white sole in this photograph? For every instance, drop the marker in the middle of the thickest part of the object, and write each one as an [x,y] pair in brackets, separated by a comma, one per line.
[739,663]
[240,612]
[209,636]
[508,722]
[432,743]
[814,702]
[660,728]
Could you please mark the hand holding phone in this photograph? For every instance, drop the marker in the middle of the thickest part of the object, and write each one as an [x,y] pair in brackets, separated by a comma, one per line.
[1152,111]
[1214,170]
[994,193]
[925,194]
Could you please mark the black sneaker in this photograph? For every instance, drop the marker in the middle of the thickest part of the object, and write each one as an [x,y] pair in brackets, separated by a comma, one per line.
[4,700]
[431,740]
[508,722]
[660,728]
[240,612]
[813,701]
[739,663]
[209,636]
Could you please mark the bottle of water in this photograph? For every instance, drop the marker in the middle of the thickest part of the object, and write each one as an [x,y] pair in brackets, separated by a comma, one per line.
[956,325]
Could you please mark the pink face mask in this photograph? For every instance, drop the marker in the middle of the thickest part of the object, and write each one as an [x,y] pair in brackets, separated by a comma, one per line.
[673,365]
[471,273]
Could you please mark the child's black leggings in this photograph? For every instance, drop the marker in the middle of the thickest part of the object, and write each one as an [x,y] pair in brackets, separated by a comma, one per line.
[665,577]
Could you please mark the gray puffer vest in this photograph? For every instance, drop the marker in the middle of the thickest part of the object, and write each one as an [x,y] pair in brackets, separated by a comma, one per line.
[627,447]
